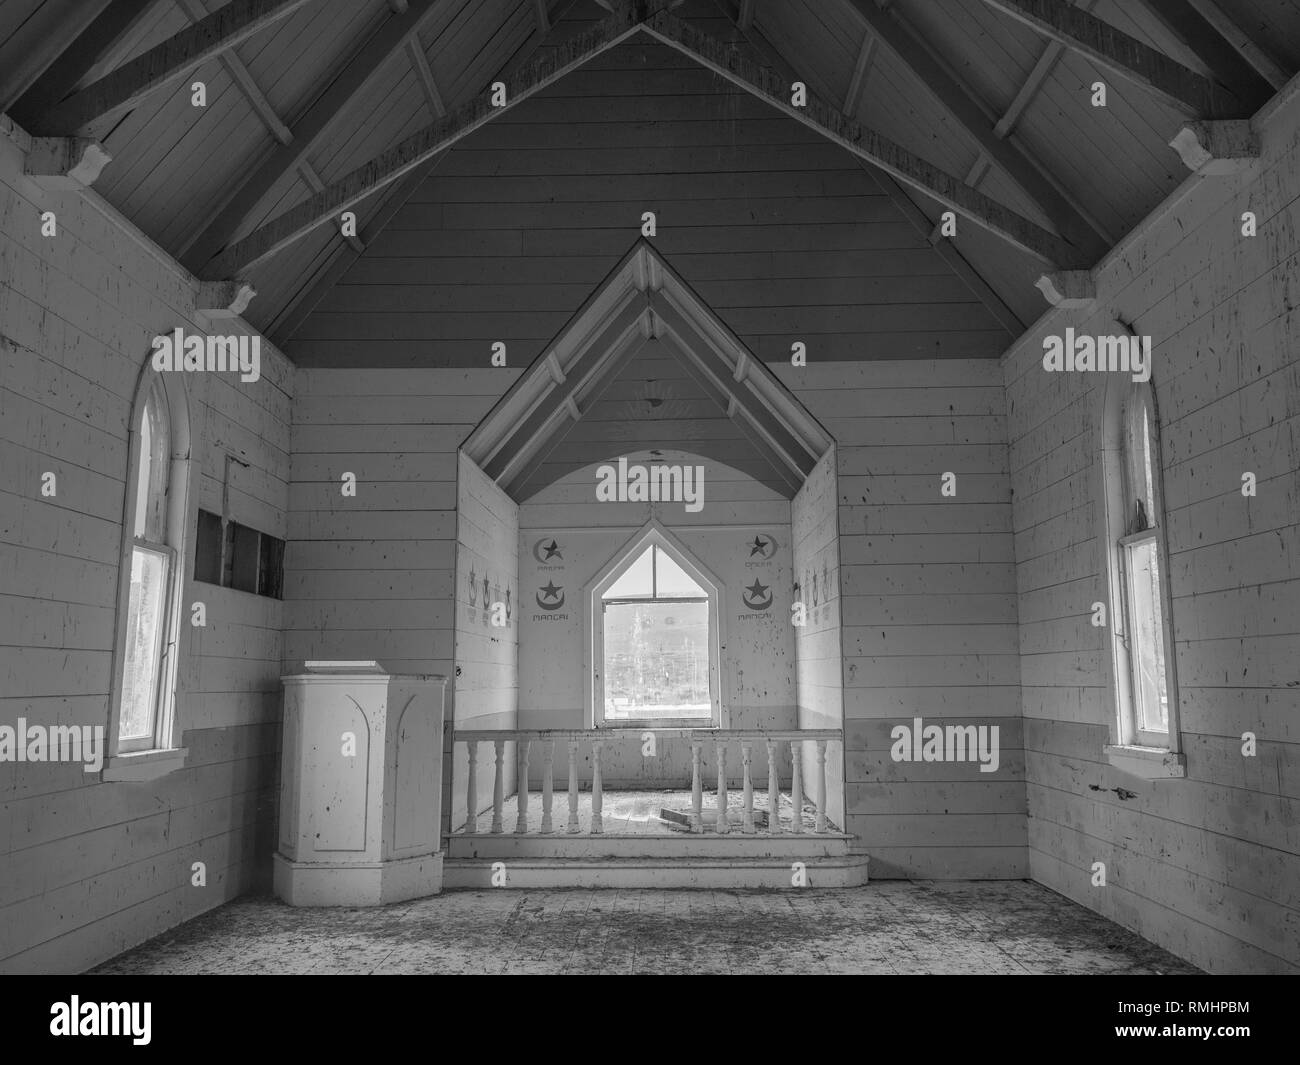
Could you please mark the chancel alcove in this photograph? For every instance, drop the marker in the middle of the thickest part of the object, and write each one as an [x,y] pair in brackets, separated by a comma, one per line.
[737,496]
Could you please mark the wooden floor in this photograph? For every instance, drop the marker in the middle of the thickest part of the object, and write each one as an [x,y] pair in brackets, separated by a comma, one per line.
[897,927]
[636,813]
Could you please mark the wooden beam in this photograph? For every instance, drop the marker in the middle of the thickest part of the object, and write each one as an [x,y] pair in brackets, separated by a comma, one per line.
[243,78]
[543,16]
[384,43]
[424,75]
[114,22]
[391,201]
[599,358]
[866,144]
[781,465]
[915,217]
[548,445]
[1116,51]
[65,162]
[313,181]
[166,62]
[724,388]
[1226,64]
[1260,61]
[224,299]
[414,150]
[960,102]
[866,55]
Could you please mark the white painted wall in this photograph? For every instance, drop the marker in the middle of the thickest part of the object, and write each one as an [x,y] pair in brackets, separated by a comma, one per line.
[91,869]
[758,646]
[1209,866]
[818,642]
[928,607]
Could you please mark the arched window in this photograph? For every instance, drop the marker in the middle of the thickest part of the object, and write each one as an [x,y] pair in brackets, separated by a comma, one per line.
[655,637]
[143,717]
[1141,631]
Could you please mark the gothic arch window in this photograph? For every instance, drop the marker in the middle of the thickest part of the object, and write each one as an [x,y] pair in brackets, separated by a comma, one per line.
[1140,627]
[654,616]
[143,727]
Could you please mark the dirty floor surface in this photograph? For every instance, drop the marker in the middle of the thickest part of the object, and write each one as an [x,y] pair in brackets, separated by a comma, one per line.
[885,927]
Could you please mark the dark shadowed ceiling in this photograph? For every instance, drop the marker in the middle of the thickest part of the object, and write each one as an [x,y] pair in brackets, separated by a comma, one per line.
[787,234]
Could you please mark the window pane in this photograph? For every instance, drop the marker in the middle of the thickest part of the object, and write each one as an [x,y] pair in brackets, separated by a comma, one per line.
[672,580]
[145,480]
[1147,638]
[144,625]
[637,580]
[657,661]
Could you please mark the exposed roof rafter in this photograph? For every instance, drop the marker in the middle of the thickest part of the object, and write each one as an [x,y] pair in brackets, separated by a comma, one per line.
[355,76]
[1185,20]
[960,102]
[165,63]
[416,149]
[1114,50]
[867,144]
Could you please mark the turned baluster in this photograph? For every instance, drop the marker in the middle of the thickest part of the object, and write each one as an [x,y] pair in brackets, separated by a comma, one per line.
[471,788]
[723,826]
[548,756]
[596,793]
[499,786]
[773,790]
[796,785]
[747,756]
[573,786]
[697,789]
[821,785]
[521,785]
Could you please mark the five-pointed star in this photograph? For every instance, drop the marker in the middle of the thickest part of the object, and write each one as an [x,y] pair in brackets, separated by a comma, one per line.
[552,549]
[756,590]
[551,591]
[757,547]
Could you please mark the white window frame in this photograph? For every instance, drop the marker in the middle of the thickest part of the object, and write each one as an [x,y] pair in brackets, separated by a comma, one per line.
[1142,752]
[165,532]
[594,642]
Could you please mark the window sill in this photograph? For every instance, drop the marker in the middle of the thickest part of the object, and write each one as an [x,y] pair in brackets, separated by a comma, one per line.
[1146,763]
[143,765]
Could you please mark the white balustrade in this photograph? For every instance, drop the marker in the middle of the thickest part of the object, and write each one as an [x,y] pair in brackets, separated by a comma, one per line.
[599,738]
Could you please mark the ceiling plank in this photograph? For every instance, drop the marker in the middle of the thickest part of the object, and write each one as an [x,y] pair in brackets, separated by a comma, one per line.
[866,144]
[384,43]
[1211,48]
[946,249]
[547,445]
[415,149]
[100,27]
[1114,50]
[596,362]
[392,200]
[960,102]
[724,388]
[166,62]
[1246,47]
[243,78]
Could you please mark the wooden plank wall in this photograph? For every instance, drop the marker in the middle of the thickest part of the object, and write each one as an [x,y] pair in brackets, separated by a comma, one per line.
[1209,866]
[758,650]
[928,607]
[487,656]
[90,869]
[779,230]
[819,658]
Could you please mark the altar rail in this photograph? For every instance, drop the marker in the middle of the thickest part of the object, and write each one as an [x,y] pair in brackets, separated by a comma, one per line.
[721,739]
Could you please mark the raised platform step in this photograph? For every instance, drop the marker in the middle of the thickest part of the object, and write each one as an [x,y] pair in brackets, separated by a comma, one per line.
[849,870]
[734,845]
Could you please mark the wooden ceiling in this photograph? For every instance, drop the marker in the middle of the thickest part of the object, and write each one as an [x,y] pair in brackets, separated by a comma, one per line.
[781,217]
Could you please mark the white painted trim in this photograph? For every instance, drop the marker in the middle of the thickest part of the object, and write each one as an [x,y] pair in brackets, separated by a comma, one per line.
[1146,763]
[610,570]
